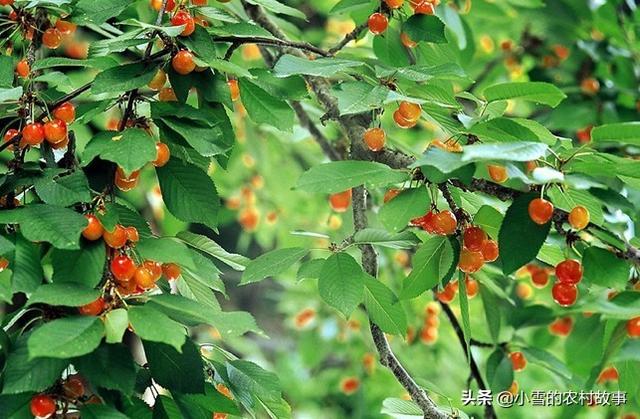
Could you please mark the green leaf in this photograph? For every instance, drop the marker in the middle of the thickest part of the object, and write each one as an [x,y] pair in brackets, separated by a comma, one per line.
[289,65]
[46,223]
[84,266]
[547,361]
[123,78]
[6,71]
[166,250]
[490,302]
[63,189]
[515,251]
[464,311]
[490,219]
[499,371]
[271,264]
[27,268]
[60,294]
[189,193]
[586,339]
[410,203]
[602,267]
[431,263]
[208,246]
[101,63]
[166,408]
[427,28]
[16,406]
[513,151]
[310,269]
[23,374]
[99,11]
[623,133]
[341,283]
[263,108]
[101,411]
[211,401]
[110,366]
[339,176]
[66,338]
[130,149]
[383,238]
[570,198]
[384,308]
[359,97]
[182,372]
[152,325]
[538,92]
[115,324]
[277,7]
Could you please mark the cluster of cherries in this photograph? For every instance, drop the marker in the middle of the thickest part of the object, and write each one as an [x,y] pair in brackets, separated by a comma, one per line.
[72,389]
[129,277]
[379,22]
[406,116]
[54,131]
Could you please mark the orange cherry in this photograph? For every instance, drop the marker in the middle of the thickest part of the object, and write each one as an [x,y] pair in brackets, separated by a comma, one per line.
[375,138]
[540,278]
[401,121]
[65,112]
[390,194]
[52,38]
[426,222]
[158,81]
[340,201]
[166,94]
[394,4]
[540,211]
[162,154]
[518,360]
[470,261]
[249,218]
[10,135]
[94,230]
[116,238]
[607,375]
[65,27]
[448,293]
[474,238]
[584,134]
[497,173]
[445,223]
[407,41]
[490,251]
[590,86]
[472,287]
[429,335]
[157,5]
[564,294]
[144,278]
[199,2]
[77,50]
[132,234]
[234,88]
[378,23]
[94,308]
[410,111]
[126,183]
[183,62]
[579,217]
[171,271]
[23,69]
[33,134]
[55,131]
[425,8]
[154,267]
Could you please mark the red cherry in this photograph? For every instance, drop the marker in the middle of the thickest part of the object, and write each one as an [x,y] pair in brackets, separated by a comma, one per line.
[154,267]
[472,286]
[94,308]
[23,69]
[340,201]
[470,261]
[132,234]
[73,387]
[426,222]
[540,211]
[410,111]
[33,134]
[65,27]
[55,131]
[378,23]
[162,154]
[448,293]
[183,17]
[123,268]
[518,360]
[490,251]
[10,135]
[144,278]
[42,406]
[569,271]
[65,112]
[474,238]
[564,294]
[633,327]
[561,326]
[540,278]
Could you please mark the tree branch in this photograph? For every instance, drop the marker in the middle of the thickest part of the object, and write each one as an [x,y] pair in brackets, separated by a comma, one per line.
[272,42]
[489,412]
[351,36]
